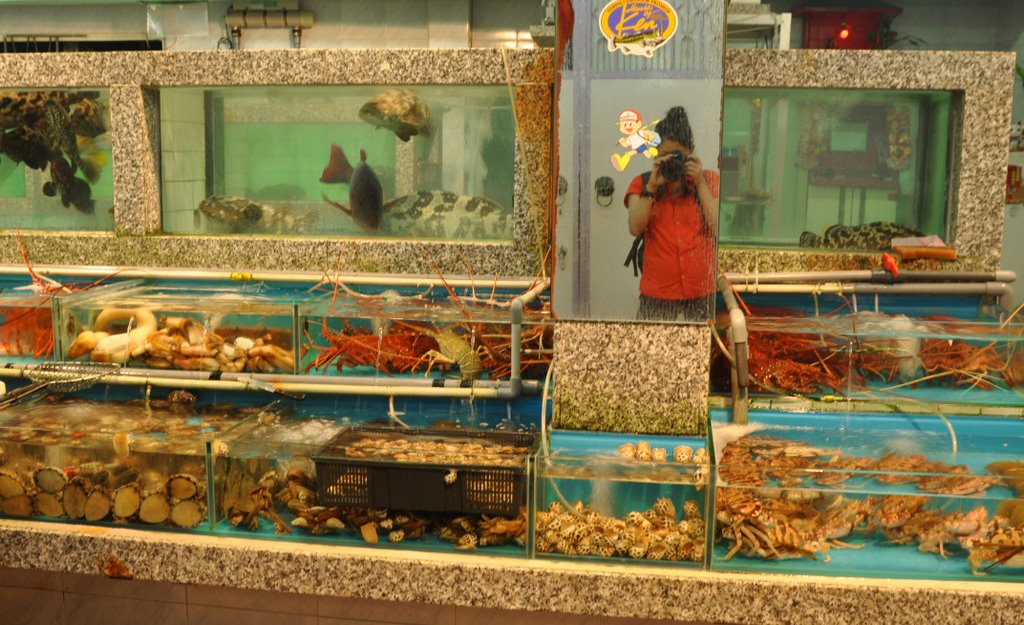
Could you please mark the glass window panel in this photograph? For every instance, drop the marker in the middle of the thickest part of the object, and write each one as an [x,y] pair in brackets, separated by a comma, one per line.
[802,166]
[56,168]
[439,161]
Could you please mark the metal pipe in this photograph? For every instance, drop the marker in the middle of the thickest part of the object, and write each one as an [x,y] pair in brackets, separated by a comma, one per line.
[871,275]
[251,18]
[737,334]
[516,309]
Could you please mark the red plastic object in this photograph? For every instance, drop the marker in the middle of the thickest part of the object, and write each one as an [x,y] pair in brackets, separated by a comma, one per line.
[890,264]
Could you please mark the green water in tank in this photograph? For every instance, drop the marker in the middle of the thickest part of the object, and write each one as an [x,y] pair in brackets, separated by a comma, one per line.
[802,160]
[439,161]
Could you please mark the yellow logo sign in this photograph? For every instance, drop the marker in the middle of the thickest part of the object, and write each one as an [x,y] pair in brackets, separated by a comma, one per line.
[638,26]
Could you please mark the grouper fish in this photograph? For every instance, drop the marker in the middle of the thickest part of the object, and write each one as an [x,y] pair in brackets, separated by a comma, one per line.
[241,214]
[401,111]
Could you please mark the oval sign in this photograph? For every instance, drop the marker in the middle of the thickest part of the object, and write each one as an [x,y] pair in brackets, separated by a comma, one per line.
[638,26]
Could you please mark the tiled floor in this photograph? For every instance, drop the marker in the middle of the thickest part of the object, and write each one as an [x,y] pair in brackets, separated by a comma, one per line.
[41,598]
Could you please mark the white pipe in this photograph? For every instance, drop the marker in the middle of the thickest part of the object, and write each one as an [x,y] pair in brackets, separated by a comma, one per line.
[313,278]
[924,288]
[866,275]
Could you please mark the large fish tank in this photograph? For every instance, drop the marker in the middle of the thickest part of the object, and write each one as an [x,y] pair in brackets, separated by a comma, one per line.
[56,168]
[268,160]
[877,495]
[396,482]
[800,160]
[623,498]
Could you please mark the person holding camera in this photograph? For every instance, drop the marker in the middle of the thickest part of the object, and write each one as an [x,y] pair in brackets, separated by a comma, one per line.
[674,208]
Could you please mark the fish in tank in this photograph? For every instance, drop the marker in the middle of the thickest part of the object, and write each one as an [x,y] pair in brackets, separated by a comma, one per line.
[55,160]
[430,162]
[834,168]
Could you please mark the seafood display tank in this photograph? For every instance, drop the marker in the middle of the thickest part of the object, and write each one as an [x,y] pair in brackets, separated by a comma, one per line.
[615,497]
[870,495]
[474,334]
[411,162]
[56,167]
[114,459]
[958,354]
[180,327]
[799,161]
[423,474]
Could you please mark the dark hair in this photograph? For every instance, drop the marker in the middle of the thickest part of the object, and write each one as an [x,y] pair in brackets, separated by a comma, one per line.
[676,126]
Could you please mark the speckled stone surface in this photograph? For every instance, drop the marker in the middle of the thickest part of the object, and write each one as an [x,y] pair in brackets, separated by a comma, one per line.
[631,377]
[135,142]
[135,150]
[754,261]
[984,83]
[470,580]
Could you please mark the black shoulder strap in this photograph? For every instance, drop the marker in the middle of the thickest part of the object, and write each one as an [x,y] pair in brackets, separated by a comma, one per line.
[636,251]
[636,256]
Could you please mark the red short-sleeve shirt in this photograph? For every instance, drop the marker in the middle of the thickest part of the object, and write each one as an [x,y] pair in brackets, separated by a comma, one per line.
[678,246]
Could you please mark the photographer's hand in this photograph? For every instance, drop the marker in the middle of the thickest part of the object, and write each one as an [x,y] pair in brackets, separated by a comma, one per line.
[695,171]
[708,201]
[656,179]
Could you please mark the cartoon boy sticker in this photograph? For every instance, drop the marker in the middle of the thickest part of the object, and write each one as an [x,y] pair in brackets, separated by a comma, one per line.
[637,137]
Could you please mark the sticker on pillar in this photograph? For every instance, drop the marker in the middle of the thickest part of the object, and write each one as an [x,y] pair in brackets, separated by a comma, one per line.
[637,137]
[638,26]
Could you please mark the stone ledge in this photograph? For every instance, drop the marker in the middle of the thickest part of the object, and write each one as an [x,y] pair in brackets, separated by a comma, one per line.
[536,585]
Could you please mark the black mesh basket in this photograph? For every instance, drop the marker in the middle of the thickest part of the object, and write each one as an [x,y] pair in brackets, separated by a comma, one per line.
[432,485]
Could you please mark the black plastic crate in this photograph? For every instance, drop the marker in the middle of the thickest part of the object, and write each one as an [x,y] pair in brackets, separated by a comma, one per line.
[385,482]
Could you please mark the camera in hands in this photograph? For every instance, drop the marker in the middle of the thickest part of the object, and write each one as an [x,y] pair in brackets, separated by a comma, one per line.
[674,167]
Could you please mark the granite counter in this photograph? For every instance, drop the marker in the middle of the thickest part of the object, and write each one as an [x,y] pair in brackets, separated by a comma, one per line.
[479,581]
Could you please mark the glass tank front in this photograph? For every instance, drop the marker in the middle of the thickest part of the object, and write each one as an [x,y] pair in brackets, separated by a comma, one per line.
[389,333]
[428,162]
[26,321]
[914,496]
[609,496]
[125,460]
[55,160]
[192,328]
[893,355]
[834,168]
[368,471]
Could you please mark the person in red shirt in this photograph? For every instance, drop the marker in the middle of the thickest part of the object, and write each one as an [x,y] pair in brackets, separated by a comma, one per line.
[675,208]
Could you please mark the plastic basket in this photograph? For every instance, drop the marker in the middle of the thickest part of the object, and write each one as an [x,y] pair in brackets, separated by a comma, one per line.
[469,487]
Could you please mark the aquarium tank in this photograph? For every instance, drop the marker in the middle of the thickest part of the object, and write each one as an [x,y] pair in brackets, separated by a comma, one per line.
[55,160]
[420,162]
[796,162]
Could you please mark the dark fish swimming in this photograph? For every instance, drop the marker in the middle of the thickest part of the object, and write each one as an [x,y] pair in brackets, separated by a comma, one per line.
[422,214]
[401,111]
[338,168]
[243,215]
[73,190]
[365,197]
[60,125]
